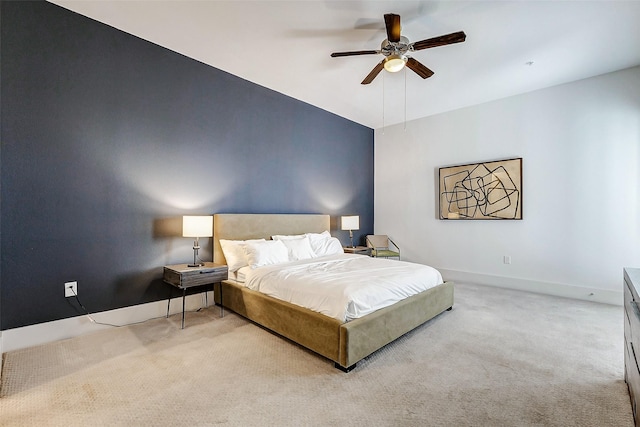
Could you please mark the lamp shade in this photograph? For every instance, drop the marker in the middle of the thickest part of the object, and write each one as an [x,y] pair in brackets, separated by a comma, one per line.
[351,222]
[197,226]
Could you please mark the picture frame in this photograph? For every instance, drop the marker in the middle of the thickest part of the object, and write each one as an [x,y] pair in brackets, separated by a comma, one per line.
[489,190]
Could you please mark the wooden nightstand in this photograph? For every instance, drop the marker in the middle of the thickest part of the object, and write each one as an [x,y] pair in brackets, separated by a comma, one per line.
[359,250]
[183,277]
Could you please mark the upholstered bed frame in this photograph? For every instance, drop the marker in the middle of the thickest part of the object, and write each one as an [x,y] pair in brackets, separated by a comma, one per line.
[343,343]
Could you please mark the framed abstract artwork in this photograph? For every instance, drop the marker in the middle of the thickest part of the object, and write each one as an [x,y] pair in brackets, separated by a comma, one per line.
[485,190]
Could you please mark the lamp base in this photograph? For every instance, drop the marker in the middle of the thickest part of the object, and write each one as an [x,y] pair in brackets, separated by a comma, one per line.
[195,265]
[196,248]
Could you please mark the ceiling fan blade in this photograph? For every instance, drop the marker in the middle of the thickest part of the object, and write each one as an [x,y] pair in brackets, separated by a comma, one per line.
[418,68]
[392,22]
[372,75]
[355,52]
[457,37]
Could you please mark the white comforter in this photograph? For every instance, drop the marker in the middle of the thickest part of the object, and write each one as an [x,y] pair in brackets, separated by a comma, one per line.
[343,286]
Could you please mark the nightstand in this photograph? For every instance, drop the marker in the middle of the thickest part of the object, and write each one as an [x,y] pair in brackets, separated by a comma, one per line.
[359,250]
[183,277]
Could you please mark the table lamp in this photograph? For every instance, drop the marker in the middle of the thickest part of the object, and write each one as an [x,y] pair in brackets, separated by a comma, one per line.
[197,226]
[351,222]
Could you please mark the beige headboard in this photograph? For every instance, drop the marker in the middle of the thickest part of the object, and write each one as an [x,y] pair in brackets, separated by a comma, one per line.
[255,226]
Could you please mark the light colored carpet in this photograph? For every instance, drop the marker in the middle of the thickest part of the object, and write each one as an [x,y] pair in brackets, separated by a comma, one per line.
[499,358]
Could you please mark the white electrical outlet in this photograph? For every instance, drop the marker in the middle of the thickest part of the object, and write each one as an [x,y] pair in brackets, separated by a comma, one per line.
[506,259]
[70,289]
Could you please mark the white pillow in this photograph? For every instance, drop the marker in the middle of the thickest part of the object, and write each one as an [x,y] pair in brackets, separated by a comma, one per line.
[318,236]
[287,236]
[299,248]
[267,252]
[328,246]
[318,240]
[233,253]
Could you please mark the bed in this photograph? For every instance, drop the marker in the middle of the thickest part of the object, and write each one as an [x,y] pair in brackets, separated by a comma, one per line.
[343,342]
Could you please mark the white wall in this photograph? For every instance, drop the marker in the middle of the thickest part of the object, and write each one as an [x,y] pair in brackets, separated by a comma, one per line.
[580,144]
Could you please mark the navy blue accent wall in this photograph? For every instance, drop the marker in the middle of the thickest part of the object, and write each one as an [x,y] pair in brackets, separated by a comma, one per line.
[108,139]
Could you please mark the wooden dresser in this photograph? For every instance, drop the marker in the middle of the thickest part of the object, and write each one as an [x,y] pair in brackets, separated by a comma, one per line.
[632,337]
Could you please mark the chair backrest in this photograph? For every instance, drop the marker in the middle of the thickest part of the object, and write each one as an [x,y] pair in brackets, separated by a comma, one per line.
[378,241]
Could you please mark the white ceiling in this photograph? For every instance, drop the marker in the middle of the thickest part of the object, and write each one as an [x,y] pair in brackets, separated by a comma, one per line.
[285,46]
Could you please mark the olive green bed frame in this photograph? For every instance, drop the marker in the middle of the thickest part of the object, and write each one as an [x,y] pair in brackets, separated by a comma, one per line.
[345,343]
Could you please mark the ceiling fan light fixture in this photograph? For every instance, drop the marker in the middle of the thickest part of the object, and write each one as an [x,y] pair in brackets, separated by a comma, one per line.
[395,63]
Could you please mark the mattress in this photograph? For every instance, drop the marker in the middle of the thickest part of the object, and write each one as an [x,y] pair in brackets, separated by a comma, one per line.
[343,286]
[240,274]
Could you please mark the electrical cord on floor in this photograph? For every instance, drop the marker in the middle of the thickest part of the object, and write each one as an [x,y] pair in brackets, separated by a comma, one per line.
[88,314]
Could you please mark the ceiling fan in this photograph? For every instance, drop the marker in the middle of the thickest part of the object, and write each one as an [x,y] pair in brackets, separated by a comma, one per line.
[395,48]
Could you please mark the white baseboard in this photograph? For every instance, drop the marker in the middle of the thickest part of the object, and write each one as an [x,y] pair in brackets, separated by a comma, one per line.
[555,289]
[42,333]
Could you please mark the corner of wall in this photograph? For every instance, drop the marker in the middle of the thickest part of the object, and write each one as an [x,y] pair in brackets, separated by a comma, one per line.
[1,358]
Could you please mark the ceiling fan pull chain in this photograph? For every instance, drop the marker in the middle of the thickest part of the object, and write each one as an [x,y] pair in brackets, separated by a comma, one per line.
[405,98]
[383,103]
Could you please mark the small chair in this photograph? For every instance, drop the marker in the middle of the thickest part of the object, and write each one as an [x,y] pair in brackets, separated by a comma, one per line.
[380,246]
